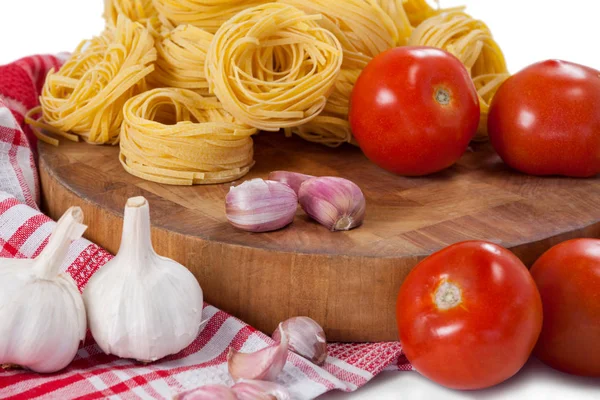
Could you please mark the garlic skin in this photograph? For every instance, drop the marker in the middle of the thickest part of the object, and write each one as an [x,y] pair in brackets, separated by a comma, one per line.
[208,392]
[335,203]
[263,365]
[292,179]
[260,390]
[261,206]
[305,338]
[42,315]
[141,305]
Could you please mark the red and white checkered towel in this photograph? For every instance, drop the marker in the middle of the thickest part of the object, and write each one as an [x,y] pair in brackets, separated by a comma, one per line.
[24,232]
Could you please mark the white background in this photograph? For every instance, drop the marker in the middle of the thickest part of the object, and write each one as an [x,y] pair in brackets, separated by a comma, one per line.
[528,31]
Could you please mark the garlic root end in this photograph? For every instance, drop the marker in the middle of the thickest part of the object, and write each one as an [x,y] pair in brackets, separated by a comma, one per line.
[136,202]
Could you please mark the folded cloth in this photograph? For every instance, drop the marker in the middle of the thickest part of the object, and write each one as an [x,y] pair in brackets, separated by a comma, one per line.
[24,232]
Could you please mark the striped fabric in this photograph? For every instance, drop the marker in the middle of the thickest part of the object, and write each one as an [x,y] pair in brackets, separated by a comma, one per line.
[24,232]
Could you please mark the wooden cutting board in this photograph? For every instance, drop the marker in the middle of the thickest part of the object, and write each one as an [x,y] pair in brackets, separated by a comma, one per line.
[347,281]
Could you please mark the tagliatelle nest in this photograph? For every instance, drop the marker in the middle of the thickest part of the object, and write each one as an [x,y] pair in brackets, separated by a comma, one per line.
[273,66]
[179,137]
[86,96]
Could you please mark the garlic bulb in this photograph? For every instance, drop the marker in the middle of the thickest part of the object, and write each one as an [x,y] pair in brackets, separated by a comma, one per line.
[262,365]
[42,315]
[292,179]
[336,203]
[141,305]
[305,338]
[261,206]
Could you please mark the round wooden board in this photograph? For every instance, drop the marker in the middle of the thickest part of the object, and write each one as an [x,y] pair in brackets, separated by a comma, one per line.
[347,281]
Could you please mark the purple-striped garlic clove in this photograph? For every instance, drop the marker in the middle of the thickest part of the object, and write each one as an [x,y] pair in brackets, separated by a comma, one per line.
[263,365]
[261,206]
[305,338]
[336,203]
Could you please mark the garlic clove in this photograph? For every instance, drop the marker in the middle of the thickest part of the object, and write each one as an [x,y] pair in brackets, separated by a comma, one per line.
[42,315]
[208,392]
[141,305]
[336,203]
[292,179]
[305,338]
[265,364]
[260,390]
[261,206]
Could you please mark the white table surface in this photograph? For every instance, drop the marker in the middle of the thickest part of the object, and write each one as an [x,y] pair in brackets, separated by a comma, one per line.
[528,31]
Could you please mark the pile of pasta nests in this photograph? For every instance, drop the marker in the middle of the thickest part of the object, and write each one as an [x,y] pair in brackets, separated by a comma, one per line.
[182,85]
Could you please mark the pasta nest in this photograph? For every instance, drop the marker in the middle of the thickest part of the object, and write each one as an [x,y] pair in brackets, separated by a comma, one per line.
[86,96]
[179,137]
[273,66]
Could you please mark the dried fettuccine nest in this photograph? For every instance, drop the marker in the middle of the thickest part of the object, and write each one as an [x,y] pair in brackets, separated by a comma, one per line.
[179,137]
[273,66]
[85,97]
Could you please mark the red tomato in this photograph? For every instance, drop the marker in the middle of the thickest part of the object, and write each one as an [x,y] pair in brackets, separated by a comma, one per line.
[414,110]
[469,315]
[568,278]
[545,120]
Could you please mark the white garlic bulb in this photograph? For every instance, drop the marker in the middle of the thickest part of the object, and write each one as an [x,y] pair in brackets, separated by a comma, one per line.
[141,305]
[42,315]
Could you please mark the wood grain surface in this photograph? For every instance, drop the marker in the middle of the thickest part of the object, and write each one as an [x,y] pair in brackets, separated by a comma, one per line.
[347,281]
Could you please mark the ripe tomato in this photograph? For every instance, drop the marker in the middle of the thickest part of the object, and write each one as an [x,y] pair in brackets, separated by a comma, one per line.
[469,315]
[568,278]
[545,120]
[414,110]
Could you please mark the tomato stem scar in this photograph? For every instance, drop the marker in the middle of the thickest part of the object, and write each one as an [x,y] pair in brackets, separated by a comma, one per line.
[447,296]
[442,96]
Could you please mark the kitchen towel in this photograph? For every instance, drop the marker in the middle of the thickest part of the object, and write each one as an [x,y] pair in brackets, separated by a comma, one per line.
[24,232]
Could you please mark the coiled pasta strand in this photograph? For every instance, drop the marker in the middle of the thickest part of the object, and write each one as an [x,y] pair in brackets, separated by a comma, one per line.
[419,10]
[205,14]
[136,10]
[181,59]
